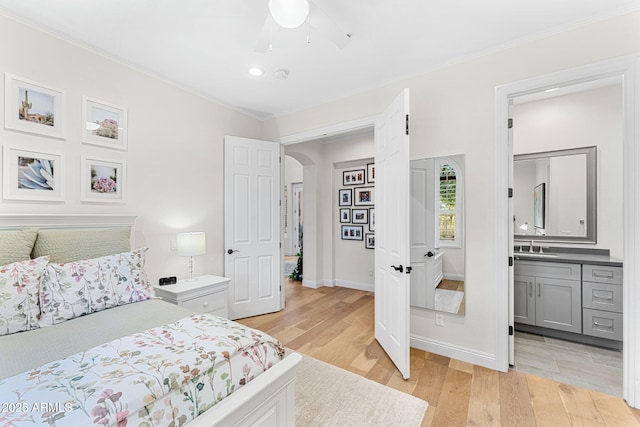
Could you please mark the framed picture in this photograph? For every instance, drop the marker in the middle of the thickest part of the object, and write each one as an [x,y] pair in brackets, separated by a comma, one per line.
[102,181]
[104,124]
[32,175]
[353,177]
[352,232]
[360,216]
[538,206]
[371,173]
[370,241]
[372,219]
[344,197]
[33,107]
[345,215]
[363,196]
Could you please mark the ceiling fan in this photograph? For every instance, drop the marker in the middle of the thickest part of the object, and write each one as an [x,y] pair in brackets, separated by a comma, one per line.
[294,13]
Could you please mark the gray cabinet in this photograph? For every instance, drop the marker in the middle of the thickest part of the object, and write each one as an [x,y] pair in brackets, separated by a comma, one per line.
[602,301]
[548,295]
[524,302]
[584,299]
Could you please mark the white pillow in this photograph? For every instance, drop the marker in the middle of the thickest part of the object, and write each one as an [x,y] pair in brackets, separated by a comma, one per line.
[81,287]
[19,295]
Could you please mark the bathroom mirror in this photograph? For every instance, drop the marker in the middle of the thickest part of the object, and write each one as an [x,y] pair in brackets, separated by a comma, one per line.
[437,233]
[554,195]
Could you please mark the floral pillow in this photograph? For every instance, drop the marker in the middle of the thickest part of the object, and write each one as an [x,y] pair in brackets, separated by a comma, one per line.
[19,295]
[81,287]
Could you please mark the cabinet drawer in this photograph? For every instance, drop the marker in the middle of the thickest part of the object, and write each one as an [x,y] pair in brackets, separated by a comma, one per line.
[602,296]
[215,303]
[602,274]
[603,324]
[556,270]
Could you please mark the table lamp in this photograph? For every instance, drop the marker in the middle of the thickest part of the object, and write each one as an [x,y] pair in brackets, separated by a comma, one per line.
[191,244]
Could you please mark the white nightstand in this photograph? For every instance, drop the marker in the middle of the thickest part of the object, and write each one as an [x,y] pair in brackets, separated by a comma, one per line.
[206,294]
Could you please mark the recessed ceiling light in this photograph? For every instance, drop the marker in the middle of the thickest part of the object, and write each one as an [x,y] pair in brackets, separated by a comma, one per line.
[256,71]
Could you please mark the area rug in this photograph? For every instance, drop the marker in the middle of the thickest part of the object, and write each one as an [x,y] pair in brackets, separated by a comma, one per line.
[448,301]
[330,396]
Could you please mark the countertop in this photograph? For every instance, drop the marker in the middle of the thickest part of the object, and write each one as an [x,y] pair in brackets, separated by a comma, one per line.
[568,255]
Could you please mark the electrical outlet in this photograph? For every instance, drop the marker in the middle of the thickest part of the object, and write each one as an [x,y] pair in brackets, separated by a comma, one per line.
[439,320]
[173,245]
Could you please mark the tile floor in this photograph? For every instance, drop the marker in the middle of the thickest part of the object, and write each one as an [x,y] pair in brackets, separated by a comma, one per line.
[581,365]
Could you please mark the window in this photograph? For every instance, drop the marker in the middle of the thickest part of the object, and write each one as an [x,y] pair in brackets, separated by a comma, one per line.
[448,210]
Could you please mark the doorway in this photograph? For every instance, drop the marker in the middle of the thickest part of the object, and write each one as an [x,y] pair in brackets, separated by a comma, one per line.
[549,128]
[297,217]
[627,69]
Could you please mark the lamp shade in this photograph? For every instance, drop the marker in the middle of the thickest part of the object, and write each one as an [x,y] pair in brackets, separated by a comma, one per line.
[289,13]
[190,244]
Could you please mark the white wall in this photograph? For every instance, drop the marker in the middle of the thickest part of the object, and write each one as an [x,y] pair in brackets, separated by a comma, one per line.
[582,119]
[174,161]
[452,111]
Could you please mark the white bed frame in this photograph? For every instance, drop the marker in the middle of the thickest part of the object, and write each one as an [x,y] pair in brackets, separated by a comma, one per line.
[268,400]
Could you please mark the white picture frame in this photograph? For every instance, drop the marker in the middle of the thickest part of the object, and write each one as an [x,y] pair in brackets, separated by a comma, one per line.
[102,181]
[32,175]
[104,124]
[34,107]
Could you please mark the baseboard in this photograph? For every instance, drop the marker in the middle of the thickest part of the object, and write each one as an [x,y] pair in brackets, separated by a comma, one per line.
[458,277]
[455,352]
[355,285]
[317,284]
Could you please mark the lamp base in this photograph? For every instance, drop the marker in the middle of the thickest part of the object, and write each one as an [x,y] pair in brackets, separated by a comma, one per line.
[191,278]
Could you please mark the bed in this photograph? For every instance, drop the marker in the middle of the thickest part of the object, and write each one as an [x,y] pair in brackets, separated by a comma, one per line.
[89,358]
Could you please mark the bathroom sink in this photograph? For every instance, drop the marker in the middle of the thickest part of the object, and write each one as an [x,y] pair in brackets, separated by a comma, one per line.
[533,255]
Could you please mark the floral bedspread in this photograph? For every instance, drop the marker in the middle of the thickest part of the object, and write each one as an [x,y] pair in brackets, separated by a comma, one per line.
[164,376]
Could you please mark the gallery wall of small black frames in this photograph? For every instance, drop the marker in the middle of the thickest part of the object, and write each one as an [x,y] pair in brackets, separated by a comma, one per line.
[356,205]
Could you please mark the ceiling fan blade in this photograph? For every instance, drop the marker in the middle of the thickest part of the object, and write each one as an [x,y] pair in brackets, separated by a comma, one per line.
[264,36]
[325,25]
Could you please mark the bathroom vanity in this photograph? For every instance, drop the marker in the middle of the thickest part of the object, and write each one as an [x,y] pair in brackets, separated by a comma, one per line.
[569,294]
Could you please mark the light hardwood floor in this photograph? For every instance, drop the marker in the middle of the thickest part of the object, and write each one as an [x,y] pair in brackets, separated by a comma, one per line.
[336,325]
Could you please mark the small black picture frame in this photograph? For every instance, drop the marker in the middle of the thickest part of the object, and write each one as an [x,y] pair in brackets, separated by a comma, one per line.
[360,216]
[344,197]
[351,232]
[370,240]
[353,177]
[345,215]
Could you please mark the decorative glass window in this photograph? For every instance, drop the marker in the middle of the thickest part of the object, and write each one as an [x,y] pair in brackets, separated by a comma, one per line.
[448,209]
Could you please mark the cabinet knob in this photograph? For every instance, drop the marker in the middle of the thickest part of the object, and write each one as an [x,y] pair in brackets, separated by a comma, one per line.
[206,304]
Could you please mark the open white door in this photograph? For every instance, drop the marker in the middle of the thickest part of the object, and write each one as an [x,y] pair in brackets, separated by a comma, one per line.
[511,291]
[422,239]
[392,232]
[253,258]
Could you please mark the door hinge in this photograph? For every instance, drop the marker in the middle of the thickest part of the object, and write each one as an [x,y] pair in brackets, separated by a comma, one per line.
[510,261]
[280,245]
[511,193]
[408,270]
[406,123]
[279,159]
[510,124]
[510,330]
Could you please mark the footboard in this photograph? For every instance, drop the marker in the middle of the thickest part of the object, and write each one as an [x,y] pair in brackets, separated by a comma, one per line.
[268,400]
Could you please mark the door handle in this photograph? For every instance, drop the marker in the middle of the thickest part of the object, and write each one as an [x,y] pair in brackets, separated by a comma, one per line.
[230,251]
[429,254]
[400,269]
